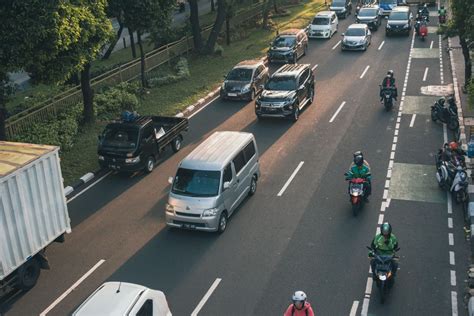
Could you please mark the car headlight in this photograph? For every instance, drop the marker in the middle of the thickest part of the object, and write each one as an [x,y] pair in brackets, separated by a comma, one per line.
[246,88]
[169,208]
[343,10]
[389,26]
[132,160]
[223,86]
[101,158]
[406,25]
[210,212]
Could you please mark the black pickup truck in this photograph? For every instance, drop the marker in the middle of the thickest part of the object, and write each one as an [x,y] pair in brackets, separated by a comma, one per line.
[130,146]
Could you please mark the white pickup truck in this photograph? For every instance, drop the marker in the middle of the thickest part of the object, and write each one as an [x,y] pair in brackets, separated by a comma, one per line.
[33,211]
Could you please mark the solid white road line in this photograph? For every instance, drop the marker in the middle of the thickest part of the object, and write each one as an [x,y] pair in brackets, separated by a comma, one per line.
[290,179]
[431,45]
[337,112]
[314,67]
[412,120]
[90,186]
[337,44]
[365,71]
[206,297]
[59,299]
[203,107]
[426,74]
[381,45]
[354,307]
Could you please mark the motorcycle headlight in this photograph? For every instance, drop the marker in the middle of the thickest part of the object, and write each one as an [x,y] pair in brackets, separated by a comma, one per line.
[382,277]
[210,212]
[101,158]
[132,160]
[246,88]
[169,208]
[463,176]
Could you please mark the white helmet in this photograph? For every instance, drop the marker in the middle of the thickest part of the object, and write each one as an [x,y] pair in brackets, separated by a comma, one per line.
[299,296]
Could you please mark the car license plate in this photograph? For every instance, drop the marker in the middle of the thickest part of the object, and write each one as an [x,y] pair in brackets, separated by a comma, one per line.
[232,94]
[189,226]
[114,167]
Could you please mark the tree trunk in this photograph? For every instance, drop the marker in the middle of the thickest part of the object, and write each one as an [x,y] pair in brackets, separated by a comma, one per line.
[3,117]
[216,29]
[132,43]
[275,6]
[114,42]
[265,13]
[142,60]
[227,30]
[195,27]
[87,94]
[213,7]
[467,61]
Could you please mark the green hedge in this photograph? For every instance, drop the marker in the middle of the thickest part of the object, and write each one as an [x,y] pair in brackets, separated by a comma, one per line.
[182,72]
[111,102]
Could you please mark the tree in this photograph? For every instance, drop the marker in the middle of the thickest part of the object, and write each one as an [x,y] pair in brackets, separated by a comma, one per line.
[462,24]
[195,27]
[52,40]
[114,10]
[141,16]
[161,31]
[217,27]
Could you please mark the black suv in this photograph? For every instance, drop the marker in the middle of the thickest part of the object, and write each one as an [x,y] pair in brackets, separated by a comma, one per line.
[399,21]
[288,46]
[289,89]
[342,8]
[245,80]
[371,16]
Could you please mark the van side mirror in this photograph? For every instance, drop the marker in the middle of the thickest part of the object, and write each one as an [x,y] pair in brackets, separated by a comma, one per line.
[226,185]
[170,180]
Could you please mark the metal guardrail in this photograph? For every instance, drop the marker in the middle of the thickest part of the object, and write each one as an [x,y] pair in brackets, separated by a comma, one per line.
[48,109]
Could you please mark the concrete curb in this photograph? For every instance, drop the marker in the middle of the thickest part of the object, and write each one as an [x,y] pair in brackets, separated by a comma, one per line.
[82,180]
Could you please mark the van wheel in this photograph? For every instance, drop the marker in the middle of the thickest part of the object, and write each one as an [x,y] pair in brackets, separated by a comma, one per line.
[28,274]
[150,164]
[296,114]
[176,144]
[253,186]
[222,222]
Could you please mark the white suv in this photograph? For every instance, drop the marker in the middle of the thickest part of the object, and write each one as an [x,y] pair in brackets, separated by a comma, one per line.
[324,25]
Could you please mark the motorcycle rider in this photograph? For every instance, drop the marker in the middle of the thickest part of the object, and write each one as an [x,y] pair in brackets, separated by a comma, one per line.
[360,168]
[389,82]
[299,307]
[425,12]
[442,11]
[385,243]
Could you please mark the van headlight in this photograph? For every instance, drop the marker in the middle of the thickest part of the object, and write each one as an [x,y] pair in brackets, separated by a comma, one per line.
[132,160]
[101,158]
[211,212]
[246,88]
[169,209]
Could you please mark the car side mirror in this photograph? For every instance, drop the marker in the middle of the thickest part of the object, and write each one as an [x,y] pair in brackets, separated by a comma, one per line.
[170,180]
[226,185]
[301,87]
[342,34]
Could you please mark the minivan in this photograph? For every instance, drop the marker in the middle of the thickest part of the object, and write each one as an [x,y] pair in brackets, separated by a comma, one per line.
[324,25]
[399,21]
[212,181]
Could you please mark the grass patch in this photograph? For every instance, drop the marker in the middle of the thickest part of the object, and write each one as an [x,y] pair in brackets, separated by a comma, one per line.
[206,74]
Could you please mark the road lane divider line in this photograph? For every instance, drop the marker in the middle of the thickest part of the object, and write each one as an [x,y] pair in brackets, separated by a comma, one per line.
[354,307]
[451,239]
[337,44]
[72,288]
[412,122]
[293,175]
[454,303]
[381,216]
[453,278]
[206,297]
[88,187]
[452,261]
[203,107]
[337,111]
[450,222]
[425,74]
[381,45]
[431,45]
[365,71]
[441,71]
[314,67]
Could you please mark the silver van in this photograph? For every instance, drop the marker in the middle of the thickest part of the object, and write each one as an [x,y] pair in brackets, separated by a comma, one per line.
[212,181]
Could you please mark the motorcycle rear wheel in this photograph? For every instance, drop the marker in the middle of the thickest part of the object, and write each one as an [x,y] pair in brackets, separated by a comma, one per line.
[356,208]
[453,125]
[434,116]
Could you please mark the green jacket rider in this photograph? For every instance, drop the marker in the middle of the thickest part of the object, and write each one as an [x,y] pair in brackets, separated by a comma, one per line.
[360,168]
[442,11]
[386,244]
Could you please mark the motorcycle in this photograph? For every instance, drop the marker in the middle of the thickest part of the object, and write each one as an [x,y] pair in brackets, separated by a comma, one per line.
[447,115]
[423,31]
[459,187]
[384,272]
[445,174]
[387,96]
[357,193]
[442,19]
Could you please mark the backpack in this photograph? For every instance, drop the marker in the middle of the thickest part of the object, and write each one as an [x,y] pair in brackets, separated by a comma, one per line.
[293,311]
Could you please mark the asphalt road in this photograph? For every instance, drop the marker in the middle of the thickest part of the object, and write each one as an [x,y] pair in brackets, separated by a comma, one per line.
[307,239]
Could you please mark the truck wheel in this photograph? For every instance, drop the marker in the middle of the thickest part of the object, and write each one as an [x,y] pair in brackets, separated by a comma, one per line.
[176,144]
[150,164]
[28,274]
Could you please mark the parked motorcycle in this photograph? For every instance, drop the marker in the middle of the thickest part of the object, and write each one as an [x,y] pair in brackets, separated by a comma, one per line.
[387,96]
[357,193]
[448,115]
[384,272]
[445,174]
[459,187]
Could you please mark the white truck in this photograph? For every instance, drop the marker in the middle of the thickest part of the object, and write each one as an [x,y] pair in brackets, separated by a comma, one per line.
[33,211]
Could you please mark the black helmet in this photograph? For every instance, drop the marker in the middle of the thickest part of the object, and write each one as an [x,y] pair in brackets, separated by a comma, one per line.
[390,73]
[358,158]
[451,100]
[386,229]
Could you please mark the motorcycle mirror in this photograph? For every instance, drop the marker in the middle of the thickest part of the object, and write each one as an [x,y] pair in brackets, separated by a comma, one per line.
[398,248]
[370,248]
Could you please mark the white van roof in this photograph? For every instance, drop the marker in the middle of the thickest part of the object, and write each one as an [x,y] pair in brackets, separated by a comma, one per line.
[216,151]
[324,14]
[107,300]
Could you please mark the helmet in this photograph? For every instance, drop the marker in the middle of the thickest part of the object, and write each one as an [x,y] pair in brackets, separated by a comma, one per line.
[451,100]
[453,145]
[386,229]
[299,296]
[358,158]
[442,7]
[425,6]
[390,73]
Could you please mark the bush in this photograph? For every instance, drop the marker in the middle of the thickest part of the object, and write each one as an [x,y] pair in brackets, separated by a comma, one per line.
[182,72]
[218,50]
[111,102]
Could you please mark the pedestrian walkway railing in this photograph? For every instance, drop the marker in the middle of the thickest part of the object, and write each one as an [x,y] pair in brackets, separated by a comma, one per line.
[48,109]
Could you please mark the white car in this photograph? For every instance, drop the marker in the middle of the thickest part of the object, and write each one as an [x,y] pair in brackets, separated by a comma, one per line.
[324,25]
[357,37]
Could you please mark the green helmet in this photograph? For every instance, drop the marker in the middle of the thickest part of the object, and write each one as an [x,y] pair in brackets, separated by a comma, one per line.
[386,229]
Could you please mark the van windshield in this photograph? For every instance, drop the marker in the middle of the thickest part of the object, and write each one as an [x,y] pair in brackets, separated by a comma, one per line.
[400,16]
[320,21]
[197,183]
[119,137]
